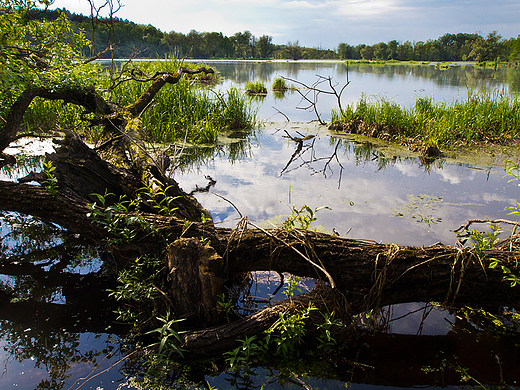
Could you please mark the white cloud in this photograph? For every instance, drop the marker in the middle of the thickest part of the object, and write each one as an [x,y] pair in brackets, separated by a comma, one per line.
[323,23]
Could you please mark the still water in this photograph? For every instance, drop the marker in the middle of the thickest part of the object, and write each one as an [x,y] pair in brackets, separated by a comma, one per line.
[379,193]
[374,192]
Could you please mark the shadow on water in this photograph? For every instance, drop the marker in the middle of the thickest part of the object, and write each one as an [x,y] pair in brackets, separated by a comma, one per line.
[57,322]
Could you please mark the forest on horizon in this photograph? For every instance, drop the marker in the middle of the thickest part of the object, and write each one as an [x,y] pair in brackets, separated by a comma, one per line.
[146,41]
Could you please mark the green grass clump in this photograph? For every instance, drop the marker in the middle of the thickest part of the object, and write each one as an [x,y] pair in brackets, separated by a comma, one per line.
[187,110]
[483,117]
[279,84]
[256,88]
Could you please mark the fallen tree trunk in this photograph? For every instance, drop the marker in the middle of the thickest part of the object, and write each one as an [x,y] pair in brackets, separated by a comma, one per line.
[366,275]
[369,273]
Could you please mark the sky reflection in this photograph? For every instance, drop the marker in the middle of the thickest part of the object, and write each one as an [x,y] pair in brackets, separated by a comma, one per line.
[364,194]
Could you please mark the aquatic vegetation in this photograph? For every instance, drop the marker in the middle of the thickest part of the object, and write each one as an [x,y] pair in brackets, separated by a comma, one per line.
[420,208]
[482,117]
[186,111]
[51,181]
[301,218]
[169,337]
[255,88]
[279,84]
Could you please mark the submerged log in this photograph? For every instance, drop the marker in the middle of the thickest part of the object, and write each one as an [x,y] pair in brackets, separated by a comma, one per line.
[368,274]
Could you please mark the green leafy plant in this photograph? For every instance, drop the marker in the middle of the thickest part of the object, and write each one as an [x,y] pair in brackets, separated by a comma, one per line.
[302,217]
[159,197]
[287,332]
[241,356]
[205,219]
[168,336]
[513,171]
[293,285]
[482,242]
[508,275]
[325,339]
[225,305]
[139,284]
[117,219]
[51,181]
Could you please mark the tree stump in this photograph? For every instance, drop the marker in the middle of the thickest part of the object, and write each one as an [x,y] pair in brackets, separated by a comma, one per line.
[195,277]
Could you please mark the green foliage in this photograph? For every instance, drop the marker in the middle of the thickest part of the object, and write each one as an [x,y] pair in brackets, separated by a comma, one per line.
[255,88]
[37,53]
[302,218]
[293,285]
[513,172]
[159,197]
[168,336]
[137,287]
[283,340]
[509,277]
[325,339]
[117,219]
[482,242]
[512,279]
[241,356]
[225,305]
[287,332]
[51,181]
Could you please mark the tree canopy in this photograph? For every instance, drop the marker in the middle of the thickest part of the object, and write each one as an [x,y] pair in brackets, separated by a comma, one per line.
[149,42]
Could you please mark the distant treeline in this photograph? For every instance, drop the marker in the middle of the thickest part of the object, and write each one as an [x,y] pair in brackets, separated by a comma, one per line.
[146,41]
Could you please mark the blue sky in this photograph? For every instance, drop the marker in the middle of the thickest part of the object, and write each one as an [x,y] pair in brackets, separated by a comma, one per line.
[323,23]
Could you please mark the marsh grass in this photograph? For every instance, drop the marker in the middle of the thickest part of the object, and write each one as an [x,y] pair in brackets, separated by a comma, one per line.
[43,116]
[279,84]
[187,110]
[483,117]
[255,88]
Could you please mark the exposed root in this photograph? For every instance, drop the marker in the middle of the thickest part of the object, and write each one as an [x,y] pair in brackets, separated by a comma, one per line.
[329,278]
[373,298]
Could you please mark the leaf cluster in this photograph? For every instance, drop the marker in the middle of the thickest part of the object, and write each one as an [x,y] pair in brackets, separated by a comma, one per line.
[36,52]
[51,181]
[302,217]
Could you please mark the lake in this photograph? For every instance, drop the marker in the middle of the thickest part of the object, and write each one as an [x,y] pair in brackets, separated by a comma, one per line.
[369,185]
[374,190]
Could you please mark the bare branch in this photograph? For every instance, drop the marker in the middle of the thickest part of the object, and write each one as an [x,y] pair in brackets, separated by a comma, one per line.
[472,221]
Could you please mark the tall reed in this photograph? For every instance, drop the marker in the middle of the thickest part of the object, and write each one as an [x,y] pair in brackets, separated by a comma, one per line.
[483,116]
[184,111]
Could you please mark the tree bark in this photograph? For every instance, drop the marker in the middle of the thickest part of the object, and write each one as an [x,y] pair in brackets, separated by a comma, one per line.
[368,274]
